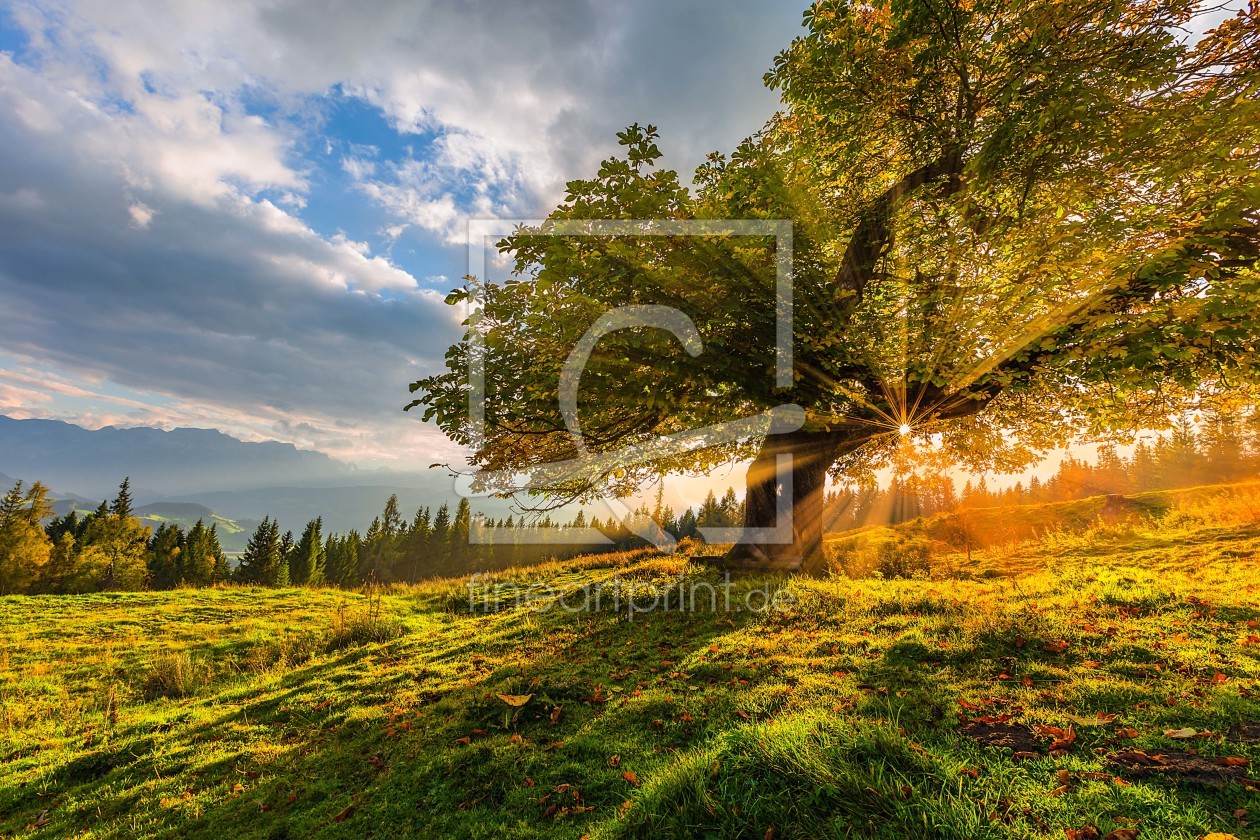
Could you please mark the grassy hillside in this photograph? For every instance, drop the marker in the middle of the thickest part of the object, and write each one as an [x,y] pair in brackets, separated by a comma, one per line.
[1113,680]
[1007,539]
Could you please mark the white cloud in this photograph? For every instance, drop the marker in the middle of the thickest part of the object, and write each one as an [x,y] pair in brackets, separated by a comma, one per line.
[524,96]
[141,214]
[187,300]
[160,147]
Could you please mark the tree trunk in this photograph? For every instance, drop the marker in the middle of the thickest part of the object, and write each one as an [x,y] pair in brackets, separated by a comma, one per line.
[786,485]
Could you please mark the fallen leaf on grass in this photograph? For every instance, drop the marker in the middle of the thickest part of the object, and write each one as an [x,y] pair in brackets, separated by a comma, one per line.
[515,700]
[1122,834]
[1057,647]
[344,815]
[555,715]
[1064,742]
[630,776]
[1102,719]
[1085,832]
[1181,733]
[614,761]
[1063,738]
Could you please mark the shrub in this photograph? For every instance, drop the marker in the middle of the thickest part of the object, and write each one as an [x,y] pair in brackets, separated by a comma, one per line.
[369,623]
[904,558]
[283,651]
[173,674]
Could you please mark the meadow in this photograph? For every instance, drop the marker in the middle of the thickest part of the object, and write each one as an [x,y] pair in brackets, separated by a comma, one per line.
[1085,677]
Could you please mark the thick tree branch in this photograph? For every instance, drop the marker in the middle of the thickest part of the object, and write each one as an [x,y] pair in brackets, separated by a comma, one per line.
[873,235]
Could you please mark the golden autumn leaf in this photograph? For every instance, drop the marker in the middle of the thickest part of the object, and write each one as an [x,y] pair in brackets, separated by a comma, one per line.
[515,700]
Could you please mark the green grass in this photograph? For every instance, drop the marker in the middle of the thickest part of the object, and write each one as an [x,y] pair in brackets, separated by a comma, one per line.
[253,713]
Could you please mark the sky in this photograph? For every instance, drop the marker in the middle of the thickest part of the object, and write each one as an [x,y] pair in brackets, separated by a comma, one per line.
[245,215]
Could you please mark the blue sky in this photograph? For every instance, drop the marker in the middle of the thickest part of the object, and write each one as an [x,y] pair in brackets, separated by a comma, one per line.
[244,215]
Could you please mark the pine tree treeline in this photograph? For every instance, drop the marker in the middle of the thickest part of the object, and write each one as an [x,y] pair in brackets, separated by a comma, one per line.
[111,549]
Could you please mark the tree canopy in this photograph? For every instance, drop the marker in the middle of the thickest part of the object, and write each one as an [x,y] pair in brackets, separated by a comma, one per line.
[1012,223]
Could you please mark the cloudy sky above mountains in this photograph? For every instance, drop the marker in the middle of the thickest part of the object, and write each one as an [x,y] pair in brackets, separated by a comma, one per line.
[245,215]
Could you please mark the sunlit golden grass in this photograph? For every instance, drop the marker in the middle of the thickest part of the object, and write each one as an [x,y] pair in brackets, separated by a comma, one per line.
[1021,539]
[846,713]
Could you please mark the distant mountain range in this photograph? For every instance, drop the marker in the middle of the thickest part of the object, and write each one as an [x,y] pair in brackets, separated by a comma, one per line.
[189,472]
[160,463]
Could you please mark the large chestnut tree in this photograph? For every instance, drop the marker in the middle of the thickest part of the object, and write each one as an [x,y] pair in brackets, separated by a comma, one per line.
[1013,222]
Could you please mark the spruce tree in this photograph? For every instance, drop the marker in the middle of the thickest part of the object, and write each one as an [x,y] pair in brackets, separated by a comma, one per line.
[417,545]
[222,568]
[710,515]
[391,519]
[306,561]
[199,559]
[166,552]
[262,562]
[121,506]
[62,525]
[461,530]
[441,538]
[11,505]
